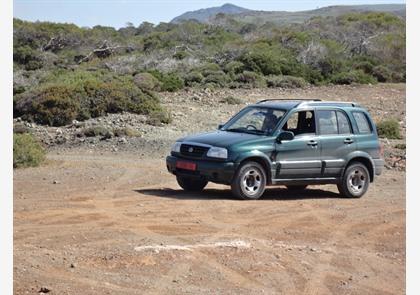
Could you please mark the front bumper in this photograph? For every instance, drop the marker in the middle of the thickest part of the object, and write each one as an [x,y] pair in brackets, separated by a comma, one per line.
[218,172]
[379,166]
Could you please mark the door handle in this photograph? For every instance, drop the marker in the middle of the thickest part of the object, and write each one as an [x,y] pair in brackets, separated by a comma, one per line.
[312,143]
[348,140]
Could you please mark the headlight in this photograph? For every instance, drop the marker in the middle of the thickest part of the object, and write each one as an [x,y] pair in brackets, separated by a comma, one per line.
[217,152]
[176,148]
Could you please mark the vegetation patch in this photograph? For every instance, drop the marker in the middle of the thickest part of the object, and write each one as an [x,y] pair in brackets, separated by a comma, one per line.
[389,128]
[27,151]
[231,100]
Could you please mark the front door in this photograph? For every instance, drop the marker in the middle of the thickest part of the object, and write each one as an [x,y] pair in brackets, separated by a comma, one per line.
[301,156]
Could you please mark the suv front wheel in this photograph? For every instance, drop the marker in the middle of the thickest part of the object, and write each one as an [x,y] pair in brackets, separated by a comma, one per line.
[355,181]
[191,184]
[249,181]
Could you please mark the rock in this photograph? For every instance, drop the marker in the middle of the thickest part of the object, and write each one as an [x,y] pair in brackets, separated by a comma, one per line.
[56,182]
[44,290]
[72,265]
[122,140]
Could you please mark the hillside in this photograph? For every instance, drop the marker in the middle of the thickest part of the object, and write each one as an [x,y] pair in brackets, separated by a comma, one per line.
[63,72]
[204,15]
[208,15]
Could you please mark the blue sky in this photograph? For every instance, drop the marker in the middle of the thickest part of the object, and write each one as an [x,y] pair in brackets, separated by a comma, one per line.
[117,13]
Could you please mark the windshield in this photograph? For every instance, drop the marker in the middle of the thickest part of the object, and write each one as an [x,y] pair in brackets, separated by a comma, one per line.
[255,120]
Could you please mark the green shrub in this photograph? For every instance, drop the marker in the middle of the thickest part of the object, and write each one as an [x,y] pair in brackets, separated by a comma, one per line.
[250,78]
[400,146]
[147,81]
[27,151]
[389,128]
[234,67]
[285,81]
[350,77]
[81,95]
[231,100]
[218,78]
[159,118]
[19,128]
[126,131]
[170,81]
[192,78]
[97,131]
[180,55]
[382,73]
[28,57]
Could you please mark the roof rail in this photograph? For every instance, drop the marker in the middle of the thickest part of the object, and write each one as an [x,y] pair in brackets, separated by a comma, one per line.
[289,99]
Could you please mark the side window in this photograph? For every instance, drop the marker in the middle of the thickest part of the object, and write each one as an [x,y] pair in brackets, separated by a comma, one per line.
[327,121]
[301,123]
[343,123]
[362,123]
[292,123]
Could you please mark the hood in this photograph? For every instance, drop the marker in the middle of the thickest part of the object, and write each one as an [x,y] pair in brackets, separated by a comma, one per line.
[221,138]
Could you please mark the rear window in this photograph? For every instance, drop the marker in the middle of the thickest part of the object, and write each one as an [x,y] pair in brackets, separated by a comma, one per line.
[362,123]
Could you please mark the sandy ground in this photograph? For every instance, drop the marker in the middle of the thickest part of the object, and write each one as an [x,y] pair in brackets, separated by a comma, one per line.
[118,224]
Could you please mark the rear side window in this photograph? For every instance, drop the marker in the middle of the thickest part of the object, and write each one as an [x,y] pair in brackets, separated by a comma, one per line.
[327,121]
[343,123]
[362,123]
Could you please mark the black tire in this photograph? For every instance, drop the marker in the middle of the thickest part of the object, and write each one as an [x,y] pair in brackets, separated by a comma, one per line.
[191,184]
[355,181]
[296,188]
[249,181]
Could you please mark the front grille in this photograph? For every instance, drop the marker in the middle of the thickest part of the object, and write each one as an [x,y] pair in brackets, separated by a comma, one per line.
[193,151]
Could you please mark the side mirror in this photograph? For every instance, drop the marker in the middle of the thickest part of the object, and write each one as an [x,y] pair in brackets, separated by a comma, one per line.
[285,135]
[220,126]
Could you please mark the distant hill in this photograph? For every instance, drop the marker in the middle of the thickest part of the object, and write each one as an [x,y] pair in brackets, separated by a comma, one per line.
[208,15]
[204,15]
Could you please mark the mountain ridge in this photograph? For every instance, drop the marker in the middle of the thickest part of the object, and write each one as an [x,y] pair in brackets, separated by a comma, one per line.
[207,15]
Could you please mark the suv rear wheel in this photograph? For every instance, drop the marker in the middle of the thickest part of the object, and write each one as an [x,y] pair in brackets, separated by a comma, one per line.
[191,184]
[249,181]
[355,181]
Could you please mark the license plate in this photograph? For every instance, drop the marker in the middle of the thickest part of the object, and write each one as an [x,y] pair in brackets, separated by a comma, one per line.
[186,165]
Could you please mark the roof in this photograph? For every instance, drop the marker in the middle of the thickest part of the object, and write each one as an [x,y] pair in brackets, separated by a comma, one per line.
[288,104]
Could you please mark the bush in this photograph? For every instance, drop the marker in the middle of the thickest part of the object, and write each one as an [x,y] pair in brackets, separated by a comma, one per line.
[193,77]
[82,95]
[27,152]
[231,100]
[147,81]
[251,78]
[98,131]
[350,77]
[400,146]
[382,73]
[234,67]
[159,118]
[285,81]
[170,81]
[389,128]
[180,55]
[218,78]
[126,131]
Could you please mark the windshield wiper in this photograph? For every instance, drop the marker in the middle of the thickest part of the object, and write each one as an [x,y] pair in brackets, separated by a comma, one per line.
[249,131]
[240,130]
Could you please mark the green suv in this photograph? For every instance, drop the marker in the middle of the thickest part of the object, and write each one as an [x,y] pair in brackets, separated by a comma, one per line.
[283,142]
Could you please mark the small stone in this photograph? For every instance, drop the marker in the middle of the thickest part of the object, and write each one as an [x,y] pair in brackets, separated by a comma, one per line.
[44,290]
[72,265]
[56,182]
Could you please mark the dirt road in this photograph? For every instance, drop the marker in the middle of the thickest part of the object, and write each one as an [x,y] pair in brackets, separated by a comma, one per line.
[118,224]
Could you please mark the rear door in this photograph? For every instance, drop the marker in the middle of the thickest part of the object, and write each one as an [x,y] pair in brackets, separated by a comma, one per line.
[300,157]
[336,138]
